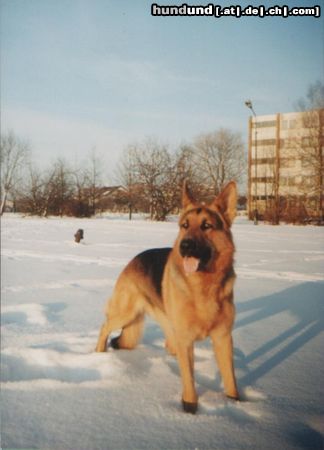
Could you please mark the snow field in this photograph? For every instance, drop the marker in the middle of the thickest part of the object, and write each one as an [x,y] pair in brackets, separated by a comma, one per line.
[57,393]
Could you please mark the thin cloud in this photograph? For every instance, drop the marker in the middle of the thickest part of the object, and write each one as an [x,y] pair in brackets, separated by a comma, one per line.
[52,136]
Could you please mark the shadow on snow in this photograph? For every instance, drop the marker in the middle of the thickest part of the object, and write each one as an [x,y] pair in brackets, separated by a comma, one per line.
[304,303]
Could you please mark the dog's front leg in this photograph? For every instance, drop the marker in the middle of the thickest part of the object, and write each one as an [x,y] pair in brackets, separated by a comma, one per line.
[223,347]
[186,364]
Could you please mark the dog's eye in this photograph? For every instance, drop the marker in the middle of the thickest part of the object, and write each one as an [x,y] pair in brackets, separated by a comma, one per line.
[185,225]
[206,226]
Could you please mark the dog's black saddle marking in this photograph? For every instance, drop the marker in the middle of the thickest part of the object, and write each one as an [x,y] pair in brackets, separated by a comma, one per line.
[153,262]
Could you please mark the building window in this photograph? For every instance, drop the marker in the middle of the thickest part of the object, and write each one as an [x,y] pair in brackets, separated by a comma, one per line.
[286,124]
[307,181]
[265,124]
[264,142]
[262,179]
[263,161]
[288,162]
[289,181]
[293,123]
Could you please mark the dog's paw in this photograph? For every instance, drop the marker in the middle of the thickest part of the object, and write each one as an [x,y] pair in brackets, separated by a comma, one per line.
[189,407]
[234,398]
[114,343]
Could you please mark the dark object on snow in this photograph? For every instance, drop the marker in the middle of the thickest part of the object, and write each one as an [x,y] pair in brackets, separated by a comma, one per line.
[78,235]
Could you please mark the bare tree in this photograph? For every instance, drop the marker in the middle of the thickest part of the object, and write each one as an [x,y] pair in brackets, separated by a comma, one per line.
[188,168]
[155,172]
[310,146]
[127,176]
[45,191]
[314,98]
[32,198]
[219,158]
[80,206]
[48,190]
[13,153]
[94,180]
[310,151]
[62,188]
[56,190]
[152,176]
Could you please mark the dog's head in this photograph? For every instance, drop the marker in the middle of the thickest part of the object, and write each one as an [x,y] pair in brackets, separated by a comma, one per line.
[205,229]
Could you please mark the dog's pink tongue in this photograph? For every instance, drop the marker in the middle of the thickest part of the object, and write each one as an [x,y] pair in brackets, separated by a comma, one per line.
[190,264]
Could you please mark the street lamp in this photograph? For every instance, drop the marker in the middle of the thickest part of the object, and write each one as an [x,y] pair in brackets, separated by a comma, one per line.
[249,105]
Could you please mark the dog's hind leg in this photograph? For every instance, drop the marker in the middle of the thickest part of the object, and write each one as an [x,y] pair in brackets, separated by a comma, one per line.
[131,325]
[103,336]
[130,319]
[124,311]
[130,334]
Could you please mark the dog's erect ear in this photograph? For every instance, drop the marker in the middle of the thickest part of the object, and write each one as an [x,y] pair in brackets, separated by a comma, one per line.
[187,197]
[226,201]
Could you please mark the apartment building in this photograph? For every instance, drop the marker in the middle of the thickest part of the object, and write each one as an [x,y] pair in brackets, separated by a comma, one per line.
[285,166]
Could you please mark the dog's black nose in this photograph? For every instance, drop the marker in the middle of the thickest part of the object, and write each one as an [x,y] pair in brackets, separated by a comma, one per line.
[187,247]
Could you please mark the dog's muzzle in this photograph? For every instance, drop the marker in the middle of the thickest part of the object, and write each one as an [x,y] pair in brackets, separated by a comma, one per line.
[196,255]
[188,247]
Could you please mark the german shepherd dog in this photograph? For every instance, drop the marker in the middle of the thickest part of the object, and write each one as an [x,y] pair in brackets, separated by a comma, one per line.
[188,290]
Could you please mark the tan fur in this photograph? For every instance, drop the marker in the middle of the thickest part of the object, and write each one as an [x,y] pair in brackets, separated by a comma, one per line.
[192,306]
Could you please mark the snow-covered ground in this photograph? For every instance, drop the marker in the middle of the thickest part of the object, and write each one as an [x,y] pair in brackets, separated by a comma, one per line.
[58,394]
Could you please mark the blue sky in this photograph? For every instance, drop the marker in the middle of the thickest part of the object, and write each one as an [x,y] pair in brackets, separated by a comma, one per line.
[83,74]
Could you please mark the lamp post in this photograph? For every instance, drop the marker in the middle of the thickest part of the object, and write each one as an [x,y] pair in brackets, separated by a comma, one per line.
[249,105]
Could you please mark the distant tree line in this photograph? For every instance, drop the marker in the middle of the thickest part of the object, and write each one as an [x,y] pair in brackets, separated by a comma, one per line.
[149,177]
[60,189]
